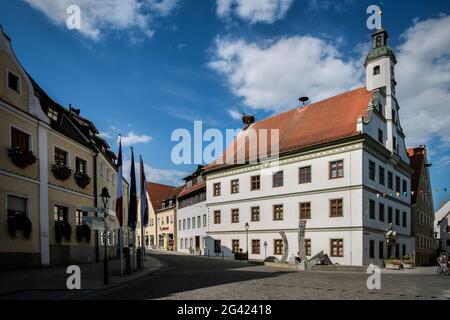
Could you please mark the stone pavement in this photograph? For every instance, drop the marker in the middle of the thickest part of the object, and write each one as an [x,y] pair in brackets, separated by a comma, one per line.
[192,278]
[50,283]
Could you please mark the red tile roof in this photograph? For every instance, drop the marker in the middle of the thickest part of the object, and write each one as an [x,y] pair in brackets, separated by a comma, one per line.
[324,121]
[185,191]
[158,193]
[417,157]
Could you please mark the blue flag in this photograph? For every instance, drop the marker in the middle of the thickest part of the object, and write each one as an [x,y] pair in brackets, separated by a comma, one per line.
[144,201]
[132,212]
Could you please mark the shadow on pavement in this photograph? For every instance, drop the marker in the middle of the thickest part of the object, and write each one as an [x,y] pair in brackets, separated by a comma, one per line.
[186,273]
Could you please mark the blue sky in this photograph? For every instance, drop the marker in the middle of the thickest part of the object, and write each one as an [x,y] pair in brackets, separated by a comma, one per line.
[146,68]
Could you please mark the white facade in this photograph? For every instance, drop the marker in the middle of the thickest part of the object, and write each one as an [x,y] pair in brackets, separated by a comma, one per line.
[441,227]
[368,204]
[192,225]
[356,228]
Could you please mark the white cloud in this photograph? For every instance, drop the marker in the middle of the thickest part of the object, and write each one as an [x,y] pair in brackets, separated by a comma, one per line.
[253,11]
[165,176]
[236,115]
[273,75]
[340,6]
[100,16]
[132,139]
[423,75]
[105,135]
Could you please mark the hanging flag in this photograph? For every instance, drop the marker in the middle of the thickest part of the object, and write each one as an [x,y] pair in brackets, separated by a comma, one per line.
[132,212]
[144,201]
[119,190]
[412,192]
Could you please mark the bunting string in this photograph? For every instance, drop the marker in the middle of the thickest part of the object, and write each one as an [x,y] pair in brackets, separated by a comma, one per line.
[412,193]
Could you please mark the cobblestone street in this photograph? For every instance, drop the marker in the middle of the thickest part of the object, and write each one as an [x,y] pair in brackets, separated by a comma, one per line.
[186,277]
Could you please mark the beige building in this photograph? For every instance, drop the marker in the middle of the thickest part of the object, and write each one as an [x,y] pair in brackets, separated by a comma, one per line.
[161,230]
[48,172]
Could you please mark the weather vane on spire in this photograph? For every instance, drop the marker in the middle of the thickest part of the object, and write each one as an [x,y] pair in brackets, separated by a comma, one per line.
[380,13]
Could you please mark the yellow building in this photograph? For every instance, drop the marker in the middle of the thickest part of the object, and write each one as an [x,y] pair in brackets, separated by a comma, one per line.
[48,172]
[161,230]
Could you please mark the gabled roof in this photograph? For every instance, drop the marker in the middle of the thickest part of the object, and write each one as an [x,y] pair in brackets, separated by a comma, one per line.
[188,190]
[158,193]
[442,213]
[417,158]
[321,122]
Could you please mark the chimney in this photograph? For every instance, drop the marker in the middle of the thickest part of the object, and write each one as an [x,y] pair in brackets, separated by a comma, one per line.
[248,120]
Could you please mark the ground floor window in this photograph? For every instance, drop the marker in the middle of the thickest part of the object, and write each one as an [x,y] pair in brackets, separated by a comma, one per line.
[191,243]
[256,246]
[381,250]
[397,251]
[203,242]
[16,206]
[337,247]
[61,214]
[403,250]
[79,217]
[217,246]
[372,249]
[181,243]
[277,247]
[235,245]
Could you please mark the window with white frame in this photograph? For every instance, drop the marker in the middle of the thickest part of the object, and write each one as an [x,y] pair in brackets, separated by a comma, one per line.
[52,114]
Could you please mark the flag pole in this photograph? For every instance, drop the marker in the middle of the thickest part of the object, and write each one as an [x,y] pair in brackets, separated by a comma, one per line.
[142,211]
[119,187]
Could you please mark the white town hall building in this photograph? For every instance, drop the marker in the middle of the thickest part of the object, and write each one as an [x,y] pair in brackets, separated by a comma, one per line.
[343,168]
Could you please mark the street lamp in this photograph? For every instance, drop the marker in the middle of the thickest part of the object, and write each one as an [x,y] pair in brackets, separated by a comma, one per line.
[105,198]
[246,235]
[265,250]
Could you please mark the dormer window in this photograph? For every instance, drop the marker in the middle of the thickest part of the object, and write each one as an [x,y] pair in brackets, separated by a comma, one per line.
[13,82]
[376,70]
[52,114]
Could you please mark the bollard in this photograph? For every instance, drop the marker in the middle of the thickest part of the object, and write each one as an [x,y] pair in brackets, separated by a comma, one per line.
[126,254]
[138,258]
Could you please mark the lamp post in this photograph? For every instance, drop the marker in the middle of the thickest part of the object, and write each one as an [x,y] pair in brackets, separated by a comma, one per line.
[105,198]
[265,250]
[246,235]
